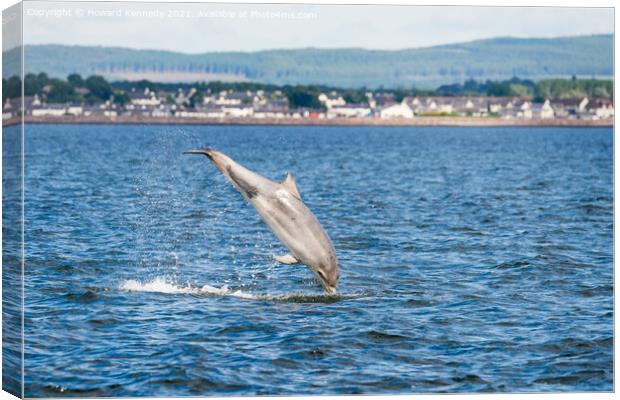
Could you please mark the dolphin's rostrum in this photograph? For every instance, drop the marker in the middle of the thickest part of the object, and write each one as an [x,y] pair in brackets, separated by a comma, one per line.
[281,207]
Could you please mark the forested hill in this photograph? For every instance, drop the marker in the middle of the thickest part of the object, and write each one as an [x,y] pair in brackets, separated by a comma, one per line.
[494,59]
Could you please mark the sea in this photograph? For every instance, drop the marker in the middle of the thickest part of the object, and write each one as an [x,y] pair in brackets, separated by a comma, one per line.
[472,260]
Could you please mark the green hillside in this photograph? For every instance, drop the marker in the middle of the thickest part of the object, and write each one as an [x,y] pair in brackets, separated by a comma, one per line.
[495,59]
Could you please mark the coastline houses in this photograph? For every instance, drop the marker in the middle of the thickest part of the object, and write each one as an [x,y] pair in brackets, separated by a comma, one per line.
[275,108]
[259,104]
[380,100]
[146,98]
[203,112]
[14,106]
[573,107]
[433,105]
[601,108]
[543,111]
[230,98]
[584,108]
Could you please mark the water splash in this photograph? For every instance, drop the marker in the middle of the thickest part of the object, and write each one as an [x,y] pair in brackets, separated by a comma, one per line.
[157,285]
[166,286]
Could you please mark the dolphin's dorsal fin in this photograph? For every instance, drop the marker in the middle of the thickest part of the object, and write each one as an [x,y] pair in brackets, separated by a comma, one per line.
[290,185]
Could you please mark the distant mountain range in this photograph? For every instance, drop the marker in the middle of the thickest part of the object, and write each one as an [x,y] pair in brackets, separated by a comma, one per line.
[495,59]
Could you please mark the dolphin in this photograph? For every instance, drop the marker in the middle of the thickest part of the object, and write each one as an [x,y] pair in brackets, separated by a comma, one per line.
[281,208]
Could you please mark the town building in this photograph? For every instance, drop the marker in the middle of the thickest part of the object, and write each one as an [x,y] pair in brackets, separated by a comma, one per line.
[349,111]
[332,99]
[396,110]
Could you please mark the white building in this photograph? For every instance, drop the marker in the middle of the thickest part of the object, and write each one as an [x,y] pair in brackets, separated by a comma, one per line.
[498,105]
[570,108]
[205,112]
[583,104]
[228,98]
[238,112]
[349,111]
[430,105]
[75,110]
[271,113]
[601,108]
[398,110]
[331,100]
[49,112]
[144,99]
[545,111]
[525,110]
[604,111]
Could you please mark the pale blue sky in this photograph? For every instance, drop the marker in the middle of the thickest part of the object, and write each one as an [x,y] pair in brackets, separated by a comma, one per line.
[195,28]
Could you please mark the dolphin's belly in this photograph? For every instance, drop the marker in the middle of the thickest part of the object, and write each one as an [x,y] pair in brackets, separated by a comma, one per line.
[295,225]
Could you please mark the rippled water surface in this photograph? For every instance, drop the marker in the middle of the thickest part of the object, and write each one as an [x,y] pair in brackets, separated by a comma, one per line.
[471,260]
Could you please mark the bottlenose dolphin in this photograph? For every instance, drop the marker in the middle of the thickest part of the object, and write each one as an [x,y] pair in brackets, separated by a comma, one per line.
[281,207]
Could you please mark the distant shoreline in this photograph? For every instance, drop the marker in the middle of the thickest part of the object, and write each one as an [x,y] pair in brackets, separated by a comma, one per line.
[416,121]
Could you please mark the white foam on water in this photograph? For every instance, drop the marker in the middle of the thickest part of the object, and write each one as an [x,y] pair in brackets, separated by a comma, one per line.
[225,291]
[165,286]
[157,285]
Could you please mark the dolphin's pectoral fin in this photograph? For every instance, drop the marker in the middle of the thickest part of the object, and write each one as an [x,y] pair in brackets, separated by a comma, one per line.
[290,185]
[287,259]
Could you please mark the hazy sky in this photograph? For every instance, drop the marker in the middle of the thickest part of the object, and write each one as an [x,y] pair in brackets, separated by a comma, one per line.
[195,28]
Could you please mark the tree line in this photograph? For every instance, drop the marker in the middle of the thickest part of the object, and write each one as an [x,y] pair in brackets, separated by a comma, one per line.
[96,89]
[91,90]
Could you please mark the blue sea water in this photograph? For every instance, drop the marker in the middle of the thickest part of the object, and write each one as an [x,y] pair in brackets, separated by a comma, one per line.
[472,260]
